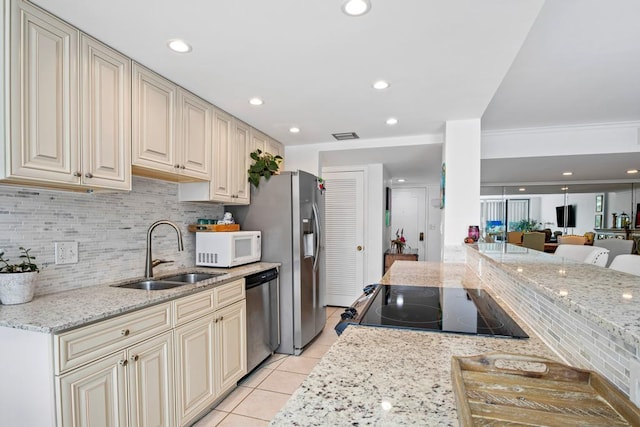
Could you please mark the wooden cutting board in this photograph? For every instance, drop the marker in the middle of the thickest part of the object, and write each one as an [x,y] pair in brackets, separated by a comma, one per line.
[512,389]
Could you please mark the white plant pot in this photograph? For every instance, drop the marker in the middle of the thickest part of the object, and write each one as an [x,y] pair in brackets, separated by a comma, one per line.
[17,288]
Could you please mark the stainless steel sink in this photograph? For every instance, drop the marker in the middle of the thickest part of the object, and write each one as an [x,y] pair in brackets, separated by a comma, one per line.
[152,285]
[170,282]
[191,277]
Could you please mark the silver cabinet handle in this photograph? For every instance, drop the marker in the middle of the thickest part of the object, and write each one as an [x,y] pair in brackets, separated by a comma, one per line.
[134,358]
[123,362]
[125,332]
[88,175]
[77,173]
[177,166]
[183,167]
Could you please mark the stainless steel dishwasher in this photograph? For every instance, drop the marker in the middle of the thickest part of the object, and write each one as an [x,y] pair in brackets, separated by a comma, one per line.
[263,316]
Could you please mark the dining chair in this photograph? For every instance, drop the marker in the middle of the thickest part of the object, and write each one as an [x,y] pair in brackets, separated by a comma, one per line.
[571,239]
[627,263]
[514,237]
[616,247]
[534,241]
[586,254]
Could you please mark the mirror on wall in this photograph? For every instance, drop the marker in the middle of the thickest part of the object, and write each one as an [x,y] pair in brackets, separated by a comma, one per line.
[607,210]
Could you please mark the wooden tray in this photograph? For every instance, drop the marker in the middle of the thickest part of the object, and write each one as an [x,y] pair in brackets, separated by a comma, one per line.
[513,389]
[213,227]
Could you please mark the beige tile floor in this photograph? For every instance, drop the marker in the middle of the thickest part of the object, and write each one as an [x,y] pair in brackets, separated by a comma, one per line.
[261,395]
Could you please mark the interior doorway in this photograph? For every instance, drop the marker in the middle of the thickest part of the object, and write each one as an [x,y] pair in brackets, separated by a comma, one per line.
[408,216]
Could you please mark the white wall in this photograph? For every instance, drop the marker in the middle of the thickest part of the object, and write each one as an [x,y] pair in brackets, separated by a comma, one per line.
[565,140]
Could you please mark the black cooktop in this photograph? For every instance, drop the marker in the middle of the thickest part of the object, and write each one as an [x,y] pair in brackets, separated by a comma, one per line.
[457,310]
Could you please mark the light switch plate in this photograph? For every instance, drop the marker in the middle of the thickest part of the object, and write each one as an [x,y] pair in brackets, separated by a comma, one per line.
[66,252]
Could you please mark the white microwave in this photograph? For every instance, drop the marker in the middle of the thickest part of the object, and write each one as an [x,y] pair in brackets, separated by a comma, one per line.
[228,248]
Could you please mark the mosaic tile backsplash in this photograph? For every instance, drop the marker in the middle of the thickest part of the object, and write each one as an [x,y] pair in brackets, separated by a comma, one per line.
[110,228]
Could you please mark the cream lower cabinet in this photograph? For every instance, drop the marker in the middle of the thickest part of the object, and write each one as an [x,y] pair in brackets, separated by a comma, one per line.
[211,351]
[130,388]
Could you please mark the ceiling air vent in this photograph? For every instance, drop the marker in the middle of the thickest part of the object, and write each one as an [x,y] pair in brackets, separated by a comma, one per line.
[345,135]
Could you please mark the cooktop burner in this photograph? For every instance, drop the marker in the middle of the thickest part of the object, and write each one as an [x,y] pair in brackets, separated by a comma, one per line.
[457,310]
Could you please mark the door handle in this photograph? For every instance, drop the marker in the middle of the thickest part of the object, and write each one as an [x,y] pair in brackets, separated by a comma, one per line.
[421,236]
[359,248]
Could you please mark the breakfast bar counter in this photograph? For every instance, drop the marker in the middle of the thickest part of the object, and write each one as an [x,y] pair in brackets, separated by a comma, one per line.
[390,377]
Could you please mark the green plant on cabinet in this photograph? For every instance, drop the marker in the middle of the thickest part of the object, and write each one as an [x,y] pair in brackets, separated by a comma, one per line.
[265,164]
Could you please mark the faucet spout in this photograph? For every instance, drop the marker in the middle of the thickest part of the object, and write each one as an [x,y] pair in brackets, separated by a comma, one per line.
[148,266]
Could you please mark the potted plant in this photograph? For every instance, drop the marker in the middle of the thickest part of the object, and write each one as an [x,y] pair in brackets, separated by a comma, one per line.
[17,281]
[265,164]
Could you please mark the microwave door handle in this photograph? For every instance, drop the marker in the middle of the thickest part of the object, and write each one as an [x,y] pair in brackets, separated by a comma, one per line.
[316,222]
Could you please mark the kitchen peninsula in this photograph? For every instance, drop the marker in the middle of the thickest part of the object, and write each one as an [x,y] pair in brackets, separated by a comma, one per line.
[383,376]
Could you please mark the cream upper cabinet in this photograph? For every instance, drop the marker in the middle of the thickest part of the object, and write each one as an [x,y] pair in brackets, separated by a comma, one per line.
[230,160]
[274,147]
[194,135]
[223,146]
[258,140]
[69,106]
[106,116]
[240,160]
[154,121]
[43,97]
[171,129]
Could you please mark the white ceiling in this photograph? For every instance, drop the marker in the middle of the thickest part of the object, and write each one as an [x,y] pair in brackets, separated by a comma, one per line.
[451,60]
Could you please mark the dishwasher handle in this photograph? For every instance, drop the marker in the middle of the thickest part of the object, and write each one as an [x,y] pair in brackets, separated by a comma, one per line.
[258,279]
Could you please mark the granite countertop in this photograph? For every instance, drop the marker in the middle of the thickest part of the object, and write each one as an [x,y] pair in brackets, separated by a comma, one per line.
[608,297]
[411,370]
[65,310]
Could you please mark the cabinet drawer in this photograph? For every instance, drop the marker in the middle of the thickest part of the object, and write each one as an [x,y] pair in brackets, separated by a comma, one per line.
[228,293]
[192,307]
[88,343]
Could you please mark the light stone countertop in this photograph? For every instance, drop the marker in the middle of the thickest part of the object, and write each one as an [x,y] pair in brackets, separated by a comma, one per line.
[65,310]
[409,369]
[609,298]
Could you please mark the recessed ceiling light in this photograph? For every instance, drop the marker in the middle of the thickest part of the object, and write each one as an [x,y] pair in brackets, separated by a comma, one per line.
[381,84]
[179,46]
[564,188]
[392,121]
[567,173]
[256,101]
[401,180]
[294,130]
[522,189]
[356,7]
[632,171]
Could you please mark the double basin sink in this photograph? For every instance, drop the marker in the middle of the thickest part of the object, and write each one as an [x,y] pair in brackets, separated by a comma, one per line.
[170,282]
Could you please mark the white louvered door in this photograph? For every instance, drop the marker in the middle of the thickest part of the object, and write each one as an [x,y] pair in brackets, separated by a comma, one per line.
[344,236]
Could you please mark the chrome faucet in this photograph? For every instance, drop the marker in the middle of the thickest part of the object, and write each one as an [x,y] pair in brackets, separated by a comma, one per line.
[150,262]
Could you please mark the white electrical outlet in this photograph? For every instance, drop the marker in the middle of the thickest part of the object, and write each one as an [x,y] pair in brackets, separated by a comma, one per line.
[66,252]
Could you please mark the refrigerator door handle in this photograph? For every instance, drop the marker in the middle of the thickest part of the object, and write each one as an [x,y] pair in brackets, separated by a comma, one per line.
[318,234]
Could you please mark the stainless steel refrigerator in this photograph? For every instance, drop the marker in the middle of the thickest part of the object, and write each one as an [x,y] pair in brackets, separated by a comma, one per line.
[288,209]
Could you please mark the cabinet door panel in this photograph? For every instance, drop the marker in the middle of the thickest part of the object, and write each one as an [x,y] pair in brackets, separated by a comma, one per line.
[195,136]
[94,395]
[240,161]
[232,345]
[220,177]
[106,116]
[151,384]
[154,100]
[44,90]
[194,374]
